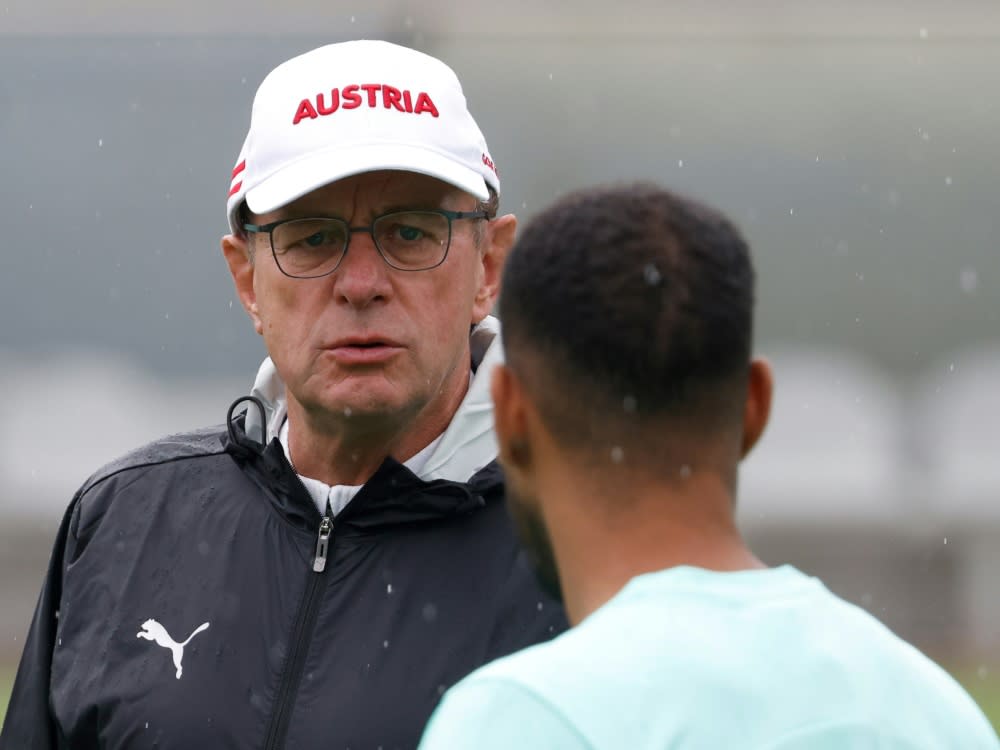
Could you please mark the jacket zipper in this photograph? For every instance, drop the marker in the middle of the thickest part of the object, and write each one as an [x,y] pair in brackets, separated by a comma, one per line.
[302,630]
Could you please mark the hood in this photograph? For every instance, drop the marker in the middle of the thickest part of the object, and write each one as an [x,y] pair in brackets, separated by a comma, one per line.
[465,447]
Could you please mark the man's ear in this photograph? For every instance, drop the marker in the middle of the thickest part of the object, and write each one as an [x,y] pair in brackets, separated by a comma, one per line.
[510,419]
[237,254]
[757,409]
[496,244]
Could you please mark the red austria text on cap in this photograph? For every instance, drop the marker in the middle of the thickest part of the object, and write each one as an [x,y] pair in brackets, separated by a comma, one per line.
[350,97]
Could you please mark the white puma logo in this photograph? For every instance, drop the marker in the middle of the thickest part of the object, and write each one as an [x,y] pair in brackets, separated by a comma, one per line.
[153,631]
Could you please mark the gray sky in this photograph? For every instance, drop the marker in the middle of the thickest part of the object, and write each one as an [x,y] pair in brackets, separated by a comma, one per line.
[513,18]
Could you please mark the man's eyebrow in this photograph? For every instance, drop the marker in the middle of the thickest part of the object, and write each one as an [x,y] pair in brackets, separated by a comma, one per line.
[417,205]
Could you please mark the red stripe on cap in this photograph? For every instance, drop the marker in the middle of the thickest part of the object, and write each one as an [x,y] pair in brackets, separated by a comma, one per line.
[235,188]
[239,167]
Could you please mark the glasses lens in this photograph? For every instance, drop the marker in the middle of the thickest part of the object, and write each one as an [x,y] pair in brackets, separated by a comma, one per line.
[412,240]
[309,247]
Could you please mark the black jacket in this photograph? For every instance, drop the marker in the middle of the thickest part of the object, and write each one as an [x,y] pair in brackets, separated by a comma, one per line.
[214,540]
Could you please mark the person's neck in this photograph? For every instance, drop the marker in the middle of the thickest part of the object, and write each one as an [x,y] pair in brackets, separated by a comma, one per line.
[350,450]
[602,541]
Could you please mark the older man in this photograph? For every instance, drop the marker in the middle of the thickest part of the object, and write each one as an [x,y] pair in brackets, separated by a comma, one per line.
[621,443]
[317,571]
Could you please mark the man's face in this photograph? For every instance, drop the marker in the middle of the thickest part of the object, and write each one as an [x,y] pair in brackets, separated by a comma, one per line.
[369,342]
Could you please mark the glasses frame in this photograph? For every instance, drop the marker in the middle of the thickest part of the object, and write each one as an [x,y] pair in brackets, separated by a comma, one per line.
[451,216]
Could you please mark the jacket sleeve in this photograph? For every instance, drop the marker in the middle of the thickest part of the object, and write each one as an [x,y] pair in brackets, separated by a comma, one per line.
[29,722]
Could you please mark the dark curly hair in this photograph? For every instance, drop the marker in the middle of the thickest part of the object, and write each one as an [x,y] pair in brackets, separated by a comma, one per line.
[628,307]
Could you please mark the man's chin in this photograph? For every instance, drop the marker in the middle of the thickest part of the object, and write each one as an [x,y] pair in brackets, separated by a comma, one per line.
[358,398]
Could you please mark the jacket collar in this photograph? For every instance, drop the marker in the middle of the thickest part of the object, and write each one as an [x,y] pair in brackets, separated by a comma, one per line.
[393,495]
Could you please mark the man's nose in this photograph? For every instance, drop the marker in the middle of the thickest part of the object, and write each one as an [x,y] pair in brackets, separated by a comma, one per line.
[363,276]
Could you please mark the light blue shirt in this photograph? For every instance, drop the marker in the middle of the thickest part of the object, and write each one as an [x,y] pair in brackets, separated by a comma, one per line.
[690,659]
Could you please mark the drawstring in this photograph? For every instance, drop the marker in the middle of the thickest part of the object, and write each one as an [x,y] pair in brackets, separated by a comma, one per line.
[245,441]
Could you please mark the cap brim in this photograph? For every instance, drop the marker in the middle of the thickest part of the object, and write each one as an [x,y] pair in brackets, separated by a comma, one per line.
[306,175]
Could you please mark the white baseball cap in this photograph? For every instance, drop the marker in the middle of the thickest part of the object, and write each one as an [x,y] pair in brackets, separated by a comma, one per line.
[355,107]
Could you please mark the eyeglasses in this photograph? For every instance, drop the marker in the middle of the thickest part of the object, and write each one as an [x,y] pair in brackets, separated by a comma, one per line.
[406,240]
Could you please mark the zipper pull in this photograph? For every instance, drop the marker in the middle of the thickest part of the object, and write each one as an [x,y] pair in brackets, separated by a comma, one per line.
[323,542]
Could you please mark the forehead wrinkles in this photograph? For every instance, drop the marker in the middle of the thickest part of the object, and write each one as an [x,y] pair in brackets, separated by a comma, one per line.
[370,194]
[358,199]
[410,190]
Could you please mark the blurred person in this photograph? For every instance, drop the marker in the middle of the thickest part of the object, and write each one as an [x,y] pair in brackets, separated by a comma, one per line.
[628,398]
[316,571]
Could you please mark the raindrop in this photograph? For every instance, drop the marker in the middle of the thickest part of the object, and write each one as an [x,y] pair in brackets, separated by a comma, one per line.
[388,589]
[100,142]
[352,19]
[652,274]
[947,180]
[817,158]
[951,367]
[347,411]
[969,280]
[685,471]
[680,162]
[617,454]
[924,33]
[385,644]
[147,725]
[946,540]
[541,606]
[550,76]
[60,642]
[791,212]
[629,404]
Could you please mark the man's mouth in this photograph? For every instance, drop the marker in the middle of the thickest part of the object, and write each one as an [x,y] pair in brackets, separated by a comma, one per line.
[361,351]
